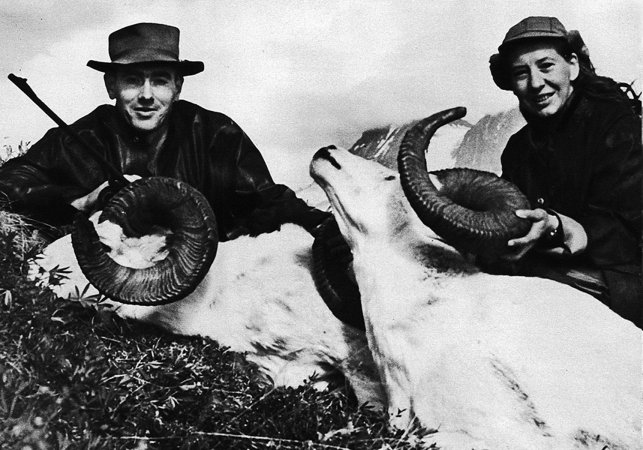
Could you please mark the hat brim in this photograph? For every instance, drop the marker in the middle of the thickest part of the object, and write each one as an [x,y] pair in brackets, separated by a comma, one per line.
[528,38]
[185,68]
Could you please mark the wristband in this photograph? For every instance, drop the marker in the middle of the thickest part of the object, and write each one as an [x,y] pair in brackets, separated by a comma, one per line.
[554,238]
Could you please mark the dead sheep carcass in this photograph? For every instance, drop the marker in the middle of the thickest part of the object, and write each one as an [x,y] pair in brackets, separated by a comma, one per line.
[258,295]
[489,361]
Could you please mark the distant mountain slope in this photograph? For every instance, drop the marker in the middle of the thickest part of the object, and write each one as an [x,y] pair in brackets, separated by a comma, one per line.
[382,144]
[484,142]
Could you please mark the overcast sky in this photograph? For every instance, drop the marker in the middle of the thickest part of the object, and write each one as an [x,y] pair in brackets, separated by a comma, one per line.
[297,75]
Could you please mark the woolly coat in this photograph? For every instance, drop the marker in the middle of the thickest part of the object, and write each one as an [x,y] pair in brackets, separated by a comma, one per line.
[585,163]
[204,148]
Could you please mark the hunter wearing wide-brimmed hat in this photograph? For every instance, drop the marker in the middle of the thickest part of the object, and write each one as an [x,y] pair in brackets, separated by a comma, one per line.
[578,160]
[150,132]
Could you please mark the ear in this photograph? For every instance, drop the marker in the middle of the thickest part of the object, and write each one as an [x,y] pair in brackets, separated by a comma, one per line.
[110,84]
[178,81]
[574,67]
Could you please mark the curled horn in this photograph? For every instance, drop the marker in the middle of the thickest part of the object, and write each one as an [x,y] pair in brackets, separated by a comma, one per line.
[473,210]
[138,208]
[331,260]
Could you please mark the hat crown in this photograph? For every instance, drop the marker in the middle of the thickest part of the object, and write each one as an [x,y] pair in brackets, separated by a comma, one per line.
[534,27]
[144,42]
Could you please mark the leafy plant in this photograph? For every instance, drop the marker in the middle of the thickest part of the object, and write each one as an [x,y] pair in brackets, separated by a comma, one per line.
[8,151]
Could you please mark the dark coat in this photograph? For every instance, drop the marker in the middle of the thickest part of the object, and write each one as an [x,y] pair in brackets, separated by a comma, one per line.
[204,148]
[586,163]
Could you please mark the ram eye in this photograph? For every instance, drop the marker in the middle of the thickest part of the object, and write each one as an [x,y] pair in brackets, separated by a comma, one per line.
[390,177]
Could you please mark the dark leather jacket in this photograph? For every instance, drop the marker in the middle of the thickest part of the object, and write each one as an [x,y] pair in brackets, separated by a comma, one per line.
[204,148]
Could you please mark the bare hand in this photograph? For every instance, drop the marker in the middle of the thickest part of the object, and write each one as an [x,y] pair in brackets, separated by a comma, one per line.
[87,202]
[542,223]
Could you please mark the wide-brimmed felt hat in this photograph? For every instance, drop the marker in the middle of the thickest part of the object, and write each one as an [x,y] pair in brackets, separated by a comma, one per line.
[145,43]
[531,29]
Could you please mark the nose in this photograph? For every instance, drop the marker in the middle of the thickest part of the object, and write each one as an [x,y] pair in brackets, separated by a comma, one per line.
[146,90]
[536,80]
[323,152]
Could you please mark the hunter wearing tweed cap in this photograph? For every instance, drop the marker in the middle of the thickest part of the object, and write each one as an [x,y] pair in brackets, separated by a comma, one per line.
[578,161]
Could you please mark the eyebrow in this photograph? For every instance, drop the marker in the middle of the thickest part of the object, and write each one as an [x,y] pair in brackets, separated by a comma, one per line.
[161,73]
[544,58]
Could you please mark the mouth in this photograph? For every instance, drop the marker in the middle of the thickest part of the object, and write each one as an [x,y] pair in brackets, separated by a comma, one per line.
[144,111]
[542,99]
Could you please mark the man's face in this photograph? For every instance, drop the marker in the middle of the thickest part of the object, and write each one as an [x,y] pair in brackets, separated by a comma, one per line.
[144,94]
[541,78]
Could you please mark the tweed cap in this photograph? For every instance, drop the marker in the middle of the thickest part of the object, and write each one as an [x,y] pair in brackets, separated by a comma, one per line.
[531,28]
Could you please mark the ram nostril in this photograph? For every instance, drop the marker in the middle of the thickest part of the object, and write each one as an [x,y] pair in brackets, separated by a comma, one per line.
[324,153]
[321,153]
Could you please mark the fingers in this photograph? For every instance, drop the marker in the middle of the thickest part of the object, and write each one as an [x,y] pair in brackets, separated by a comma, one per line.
[520,246]
[89,201]
[539,219]
[532,214]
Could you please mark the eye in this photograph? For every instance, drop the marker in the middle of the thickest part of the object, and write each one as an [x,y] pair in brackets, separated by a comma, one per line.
[131,79]
[390,177]
[519,74]
[160,81]
[546,66]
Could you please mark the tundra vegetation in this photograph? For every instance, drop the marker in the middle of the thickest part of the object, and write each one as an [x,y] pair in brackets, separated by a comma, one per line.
[76,377]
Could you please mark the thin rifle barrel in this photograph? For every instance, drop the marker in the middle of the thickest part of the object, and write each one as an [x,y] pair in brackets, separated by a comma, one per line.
[24,87]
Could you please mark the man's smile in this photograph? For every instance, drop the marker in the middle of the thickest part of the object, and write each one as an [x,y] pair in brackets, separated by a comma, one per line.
[145,112]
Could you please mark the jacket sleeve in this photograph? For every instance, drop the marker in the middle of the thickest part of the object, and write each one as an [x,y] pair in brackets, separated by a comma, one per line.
[37,184]
[260,203]
[612,217]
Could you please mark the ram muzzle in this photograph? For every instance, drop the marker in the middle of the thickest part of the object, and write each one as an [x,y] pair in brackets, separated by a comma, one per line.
[141,208]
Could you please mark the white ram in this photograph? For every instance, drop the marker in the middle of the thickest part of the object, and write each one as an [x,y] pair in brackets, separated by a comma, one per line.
[489,361]
[258,297]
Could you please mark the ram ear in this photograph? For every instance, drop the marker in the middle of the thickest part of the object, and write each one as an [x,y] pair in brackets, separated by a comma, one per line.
[140,208]
[473,210]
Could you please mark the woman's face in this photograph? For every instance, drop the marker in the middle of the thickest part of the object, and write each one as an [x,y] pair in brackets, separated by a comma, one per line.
[541,78]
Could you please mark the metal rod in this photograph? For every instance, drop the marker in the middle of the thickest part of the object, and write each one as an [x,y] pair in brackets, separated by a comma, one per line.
[115,174]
